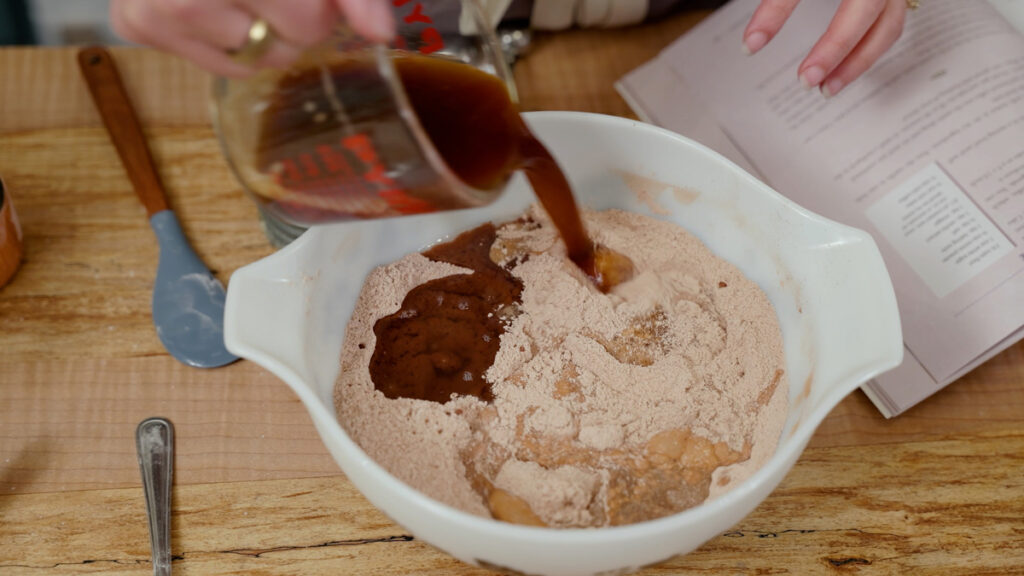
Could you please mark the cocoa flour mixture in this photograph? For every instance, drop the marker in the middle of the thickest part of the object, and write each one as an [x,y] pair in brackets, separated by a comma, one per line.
[491,375]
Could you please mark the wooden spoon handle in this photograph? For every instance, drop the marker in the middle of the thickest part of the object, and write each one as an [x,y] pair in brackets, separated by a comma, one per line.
[122,124]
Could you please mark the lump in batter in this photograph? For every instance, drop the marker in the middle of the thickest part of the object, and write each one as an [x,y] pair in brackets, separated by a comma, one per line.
[491,375]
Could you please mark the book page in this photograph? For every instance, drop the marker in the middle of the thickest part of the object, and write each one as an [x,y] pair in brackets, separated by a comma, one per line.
[665,100]
[1012,10]
[926,152]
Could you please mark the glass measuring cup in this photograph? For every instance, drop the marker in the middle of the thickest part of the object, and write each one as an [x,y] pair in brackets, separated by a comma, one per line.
[335,137]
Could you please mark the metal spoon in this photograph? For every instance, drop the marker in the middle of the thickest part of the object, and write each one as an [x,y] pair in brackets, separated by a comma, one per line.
[154,442]
[188,301]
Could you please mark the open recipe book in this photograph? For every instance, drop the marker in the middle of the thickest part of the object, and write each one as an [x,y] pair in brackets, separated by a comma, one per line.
[925,152]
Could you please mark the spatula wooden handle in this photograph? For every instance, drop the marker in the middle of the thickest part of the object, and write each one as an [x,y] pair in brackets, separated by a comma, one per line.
[122,124]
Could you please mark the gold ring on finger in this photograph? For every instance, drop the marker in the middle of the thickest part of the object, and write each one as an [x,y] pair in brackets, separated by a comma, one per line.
[257,42]
[913,4]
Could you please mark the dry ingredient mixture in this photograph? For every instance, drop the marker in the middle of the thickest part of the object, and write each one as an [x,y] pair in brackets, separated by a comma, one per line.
[491,375]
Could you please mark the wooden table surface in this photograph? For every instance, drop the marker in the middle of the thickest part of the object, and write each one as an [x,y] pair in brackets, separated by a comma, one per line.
[939,490]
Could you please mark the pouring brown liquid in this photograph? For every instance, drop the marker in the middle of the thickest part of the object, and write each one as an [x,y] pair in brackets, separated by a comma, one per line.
[469,118]
[446,334]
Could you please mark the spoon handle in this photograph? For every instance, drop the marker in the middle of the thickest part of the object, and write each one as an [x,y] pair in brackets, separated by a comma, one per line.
[122,124]
[154,441]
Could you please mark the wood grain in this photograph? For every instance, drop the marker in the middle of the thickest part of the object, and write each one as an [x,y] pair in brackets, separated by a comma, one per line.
[42,89]
[841,510]
[935,491]
[90,256]
[69,425]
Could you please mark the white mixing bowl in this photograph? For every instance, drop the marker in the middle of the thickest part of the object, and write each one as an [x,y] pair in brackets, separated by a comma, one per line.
[828,284]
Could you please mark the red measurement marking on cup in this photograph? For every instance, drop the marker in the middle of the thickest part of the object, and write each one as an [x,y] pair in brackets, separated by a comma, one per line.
[417,15]
[329,171]
[334,160]
[430,38]
[362,147]
[309,165]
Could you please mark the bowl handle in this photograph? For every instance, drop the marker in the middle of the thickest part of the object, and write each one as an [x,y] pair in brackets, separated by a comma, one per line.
[264,314]
[860,299]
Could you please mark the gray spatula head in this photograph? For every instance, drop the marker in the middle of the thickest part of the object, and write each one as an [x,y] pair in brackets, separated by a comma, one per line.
[188,301]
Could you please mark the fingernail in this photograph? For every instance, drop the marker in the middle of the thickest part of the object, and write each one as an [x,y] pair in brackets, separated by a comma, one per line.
[832,87]
[754,42]
[812,77]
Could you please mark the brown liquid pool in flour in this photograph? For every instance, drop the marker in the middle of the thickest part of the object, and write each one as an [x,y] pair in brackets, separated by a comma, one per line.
[446,334]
